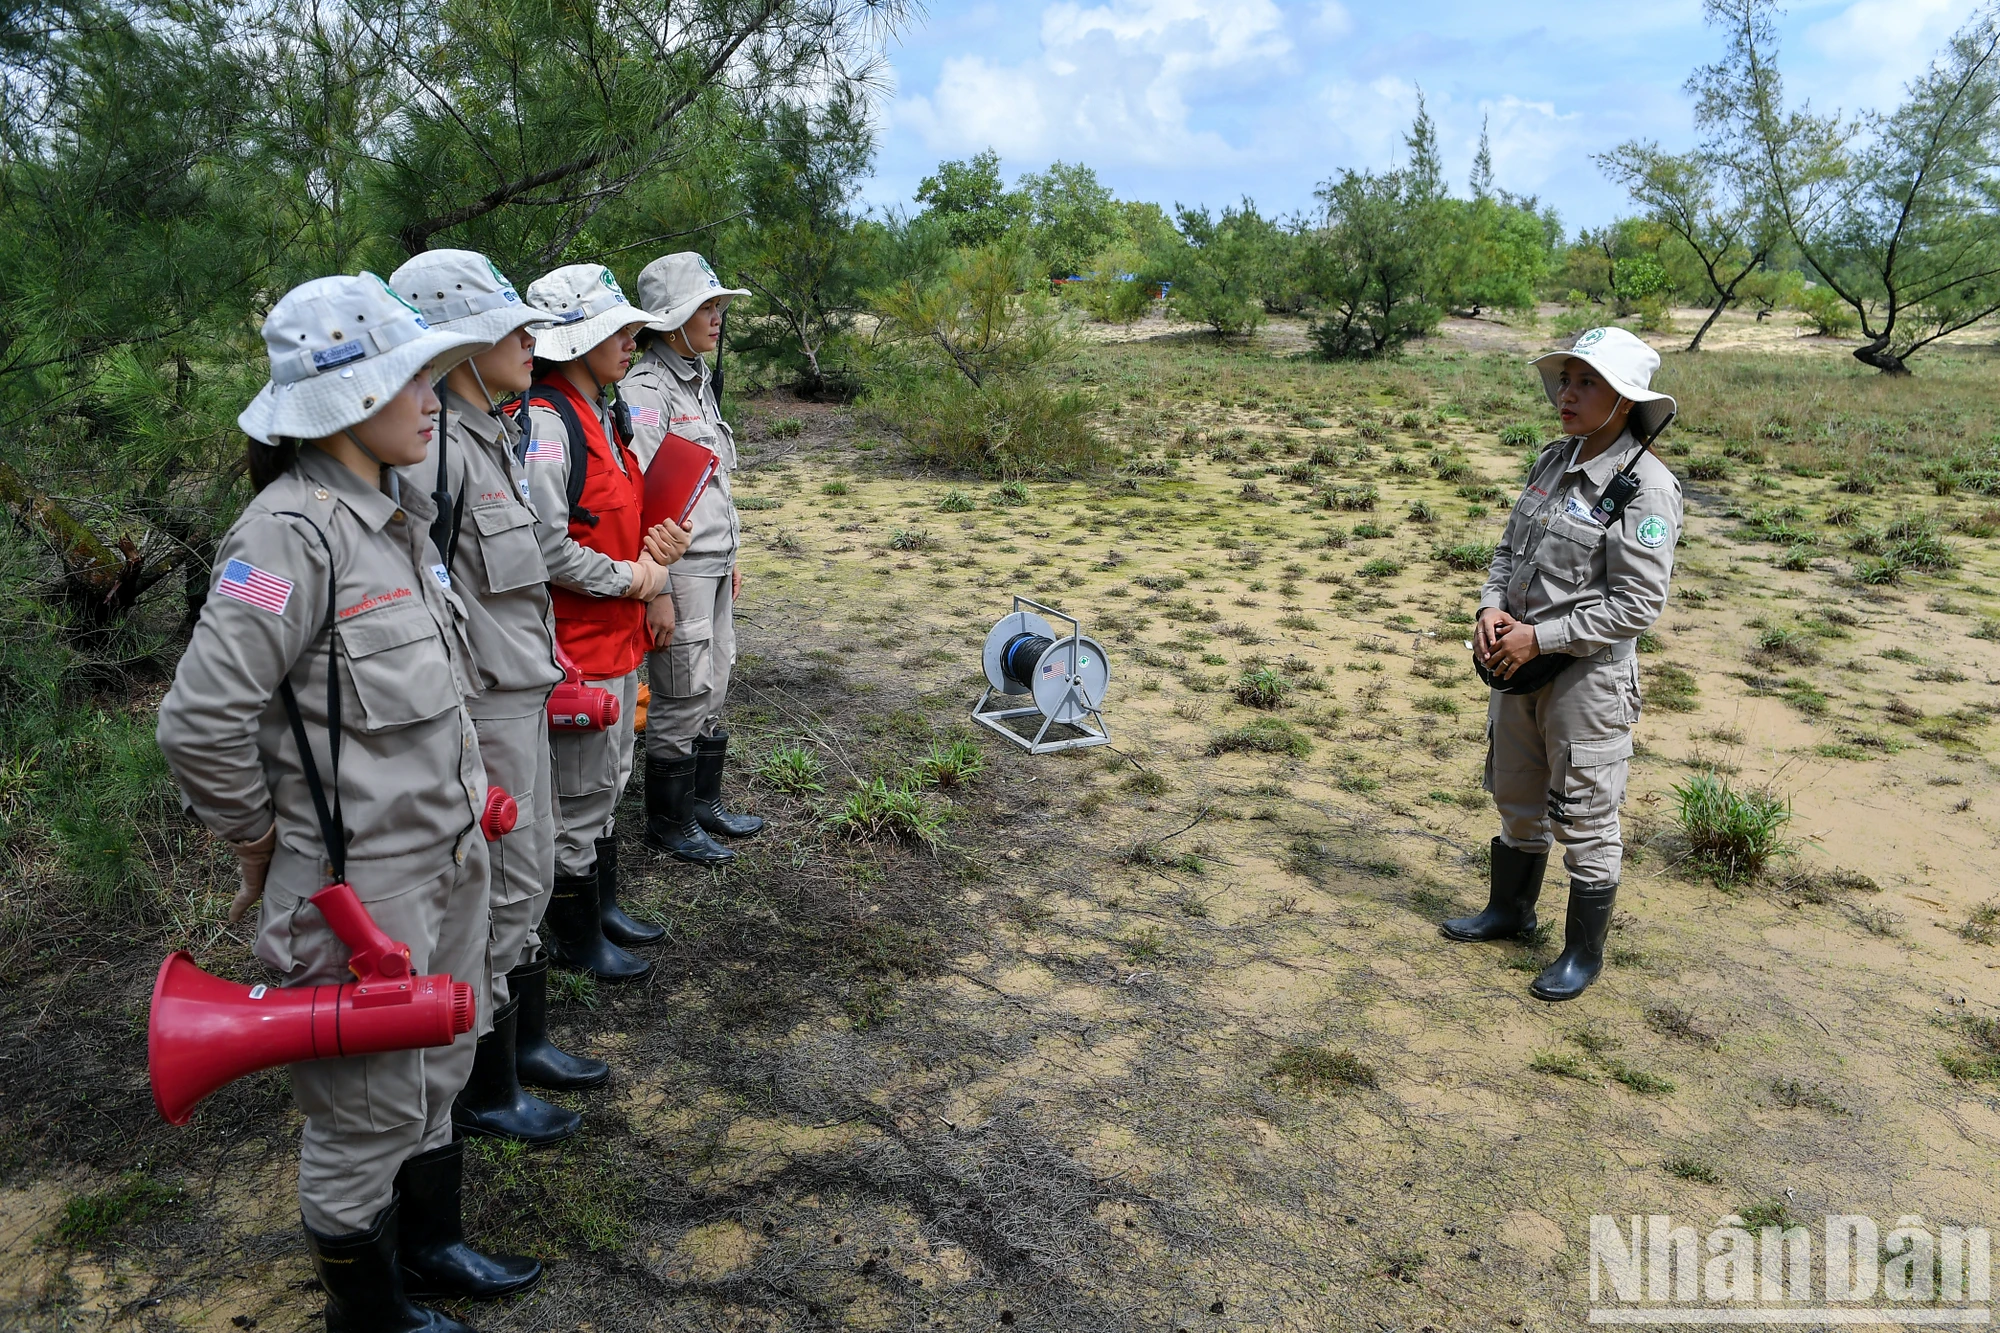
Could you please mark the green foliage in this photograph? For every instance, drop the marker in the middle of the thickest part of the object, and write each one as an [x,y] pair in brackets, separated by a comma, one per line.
[956,501]
[1826,314]
[964,365]
[793,768]
[1262,688]
[1731,834]
[967,200]
[878,810]
[1374,264]
[1466,557]
[948,765]
[1265,735]
[90,1220]
[801,248]
[1213,267]
[1073,218]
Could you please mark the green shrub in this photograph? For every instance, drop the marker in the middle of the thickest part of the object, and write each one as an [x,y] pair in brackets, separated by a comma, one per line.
[1732,834]
[1422,511]
[1826,314]
[785,428]
[753,503]
[1010,495]
[833,488]
[793,768]
[1265,735]
[879,810]
[910,539]
[1381,567]
[1262,688]
[1466,557]
[1520,435]
[949,765]
[956,502]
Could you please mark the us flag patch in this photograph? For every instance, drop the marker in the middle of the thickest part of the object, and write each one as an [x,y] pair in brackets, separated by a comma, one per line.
[645,416]
[247,583]
[545,451]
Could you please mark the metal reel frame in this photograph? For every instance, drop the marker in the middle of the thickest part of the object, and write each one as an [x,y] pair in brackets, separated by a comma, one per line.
[1091,723]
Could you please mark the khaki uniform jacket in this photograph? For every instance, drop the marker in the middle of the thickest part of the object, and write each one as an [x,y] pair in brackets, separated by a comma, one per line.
[497,568]
[1581,586]
[670,392]
[570,564]
[411,783]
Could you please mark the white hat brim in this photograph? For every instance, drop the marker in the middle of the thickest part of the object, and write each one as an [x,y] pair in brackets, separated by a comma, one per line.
[489,327]
[684,312]
[320,405]
[567,342]
[1651,410]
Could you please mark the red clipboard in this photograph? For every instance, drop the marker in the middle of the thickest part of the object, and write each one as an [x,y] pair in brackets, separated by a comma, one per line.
[679,473]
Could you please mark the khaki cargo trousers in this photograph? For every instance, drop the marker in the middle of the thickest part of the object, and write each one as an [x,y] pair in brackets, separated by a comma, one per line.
[689,678]
[365,1114]
[591,770]
[1556,762]
[514,744]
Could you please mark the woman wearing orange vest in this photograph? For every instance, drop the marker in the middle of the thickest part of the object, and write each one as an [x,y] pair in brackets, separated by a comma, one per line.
[602,572]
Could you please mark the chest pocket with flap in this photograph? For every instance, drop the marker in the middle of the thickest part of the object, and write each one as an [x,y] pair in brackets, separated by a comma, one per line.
[1569,548]
[397,660]
[507,546]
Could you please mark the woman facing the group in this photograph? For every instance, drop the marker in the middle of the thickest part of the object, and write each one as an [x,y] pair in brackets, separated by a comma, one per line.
[418,568]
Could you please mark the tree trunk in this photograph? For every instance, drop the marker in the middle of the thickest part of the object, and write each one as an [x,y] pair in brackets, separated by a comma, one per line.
[1876,354]
[100,581]
[1694,344]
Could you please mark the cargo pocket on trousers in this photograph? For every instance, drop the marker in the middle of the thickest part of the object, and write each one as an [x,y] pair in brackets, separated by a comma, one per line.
[689,659]
[1593,779]
[585,762]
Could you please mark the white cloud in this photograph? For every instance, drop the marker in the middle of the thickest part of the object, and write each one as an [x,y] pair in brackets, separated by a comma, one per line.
[1113,82]
[1331,19]
[1874,47]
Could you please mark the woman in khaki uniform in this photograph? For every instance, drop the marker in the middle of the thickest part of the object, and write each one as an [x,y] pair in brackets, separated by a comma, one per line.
[694,633]
[586,488]
[1580,573]
[331,625]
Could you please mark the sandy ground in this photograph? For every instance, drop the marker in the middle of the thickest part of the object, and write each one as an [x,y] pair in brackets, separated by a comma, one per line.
[1173,921]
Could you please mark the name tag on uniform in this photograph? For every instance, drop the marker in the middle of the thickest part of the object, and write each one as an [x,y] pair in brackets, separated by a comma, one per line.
[524,488]
[442,575]
[1574,507]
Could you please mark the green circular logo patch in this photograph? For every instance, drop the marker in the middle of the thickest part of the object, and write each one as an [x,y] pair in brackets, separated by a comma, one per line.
[1652,531]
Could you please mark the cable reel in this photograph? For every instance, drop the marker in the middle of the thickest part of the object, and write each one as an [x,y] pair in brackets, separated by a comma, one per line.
[1064,675]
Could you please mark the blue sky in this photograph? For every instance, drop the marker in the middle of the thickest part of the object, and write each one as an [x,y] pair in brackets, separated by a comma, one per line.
[1208,100]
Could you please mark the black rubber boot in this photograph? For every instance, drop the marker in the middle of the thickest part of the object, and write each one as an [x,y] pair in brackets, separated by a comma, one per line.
[618,927]
[1510,902]
[432,1253]
[711,753]
[1584,931]
[540,1062]
[364,1286]
[573,932]
[671,825]
[493,1103]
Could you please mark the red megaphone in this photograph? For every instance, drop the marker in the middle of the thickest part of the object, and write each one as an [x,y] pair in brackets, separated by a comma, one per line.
[575,706]
[500,816]
[206,1032]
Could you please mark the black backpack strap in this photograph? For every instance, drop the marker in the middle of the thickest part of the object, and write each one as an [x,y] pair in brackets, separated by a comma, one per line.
[543,395]
[332,828]
[450,511]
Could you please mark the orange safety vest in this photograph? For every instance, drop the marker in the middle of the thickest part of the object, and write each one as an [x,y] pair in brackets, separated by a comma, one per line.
[604,636]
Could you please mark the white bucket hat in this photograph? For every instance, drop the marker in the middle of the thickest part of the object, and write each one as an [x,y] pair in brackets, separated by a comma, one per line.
[677,285]
[1627,365]
[340,348]
[462,291]
[587,305]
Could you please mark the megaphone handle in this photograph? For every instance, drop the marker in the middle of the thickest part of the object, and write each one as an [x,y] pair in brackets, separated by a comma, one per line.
[373,956]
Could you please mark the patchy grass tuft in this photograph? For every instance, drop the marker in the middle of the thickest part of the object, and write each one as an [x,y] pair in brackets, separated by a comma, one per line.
[1311,1069]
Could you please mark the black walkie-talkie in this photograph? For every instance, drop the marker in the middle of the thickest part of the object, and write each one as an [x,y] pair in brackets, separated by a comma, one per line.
[1618,492]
